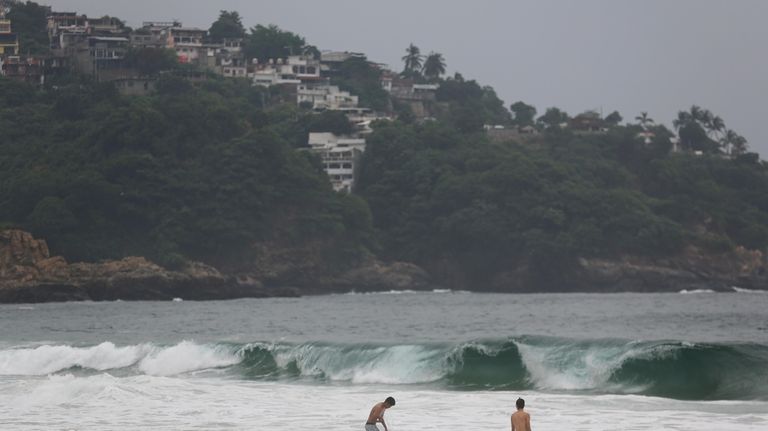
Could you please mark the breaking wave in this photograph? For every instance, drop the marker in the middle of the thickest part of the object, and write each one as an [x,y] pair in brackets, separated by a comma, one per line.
[669,369]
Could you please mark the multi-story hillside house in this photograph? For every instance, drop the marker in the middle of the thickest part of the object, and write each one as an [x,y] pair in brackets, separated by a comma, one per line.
[105,57]
[26,69]
[226,58]
[9,41]
[293,70]
[588,122]
[331,61]
[106,26]
[154,34]
[188,43]
[324,96]
[66,29]
[340,156]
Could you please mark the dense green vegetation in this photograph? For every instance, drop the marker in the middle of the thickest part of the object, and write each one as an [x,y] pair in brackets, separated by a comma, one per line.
[453,201]
[361,78]
[29,21]
[229,25]
[216,171]
[191,172]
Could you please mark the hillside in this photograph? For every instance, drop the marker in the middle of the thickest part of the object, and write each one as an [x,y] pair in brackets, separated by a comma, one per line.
[214,170]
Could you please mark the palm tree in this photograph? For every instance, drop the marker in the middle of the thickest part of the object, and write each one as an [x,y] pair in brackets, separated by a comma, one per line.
[697,114]
[739,145]
[644,120]
[412,59]
[683,118]
[434,65]
[716,125]
[726,143]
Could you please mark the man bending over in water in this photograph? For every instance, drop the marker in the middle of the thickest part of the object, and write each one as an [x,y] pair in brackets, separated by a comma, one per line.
[521,421]
[377,415]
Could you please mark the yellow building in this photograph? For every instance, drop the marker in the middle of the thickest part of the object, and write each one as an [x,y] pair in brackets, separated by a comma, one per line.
[9,42]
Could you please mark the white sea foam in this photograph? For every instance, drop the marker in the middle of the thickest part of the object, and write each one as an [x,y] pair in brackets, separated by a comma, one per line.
[695,291]
[153,360]
[48,359]
[404,364]
[745,290]
[164,404]
[584,367]
[185,357]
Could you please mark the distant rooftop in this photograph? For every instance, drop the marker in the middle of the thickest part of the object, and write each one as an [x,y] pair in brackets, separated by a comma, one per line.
[162,24]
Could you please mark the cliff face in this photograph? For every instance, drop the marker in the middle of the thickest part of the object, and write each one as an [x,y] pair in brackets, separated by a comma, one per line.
[24,259]
[691,270]
[29,274]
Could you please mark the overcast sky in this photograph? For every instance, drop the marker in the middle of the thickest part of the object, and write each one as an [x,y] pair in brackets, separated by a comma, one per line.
[658,56]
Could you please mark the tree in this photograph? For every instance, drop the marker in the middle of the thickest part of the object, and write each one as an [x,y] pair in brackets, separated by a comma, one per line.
[412,60]
[151,61]
[359,77]
[270,42]
[553,118]
[682,119]
[697,114]
[716,126]
[732,143]
[740,146]
[524,114]
[698,130]
[644,120]
[614,118]
[29,20]
[434,65]
[311,51]
[228,26]
[693,137]
[335,122]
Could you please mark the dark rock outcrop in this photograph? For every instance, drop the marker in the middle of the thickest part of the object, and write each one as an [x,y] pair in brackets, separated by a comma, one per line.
[29,274]
[379,276]
[690,270]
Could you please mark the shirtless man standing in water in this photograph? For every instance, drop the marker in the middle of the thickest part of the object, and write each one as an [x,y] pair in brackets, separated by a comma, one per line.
[521,421]
[377,415]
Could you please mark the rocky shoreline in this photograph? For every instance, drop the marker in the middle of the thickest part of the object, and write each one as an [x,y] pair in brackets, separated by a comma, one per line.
[28,273]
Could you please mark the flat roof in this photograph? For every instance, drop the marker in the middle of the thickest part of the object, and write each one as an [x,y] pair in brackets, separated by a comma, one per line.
[109,39]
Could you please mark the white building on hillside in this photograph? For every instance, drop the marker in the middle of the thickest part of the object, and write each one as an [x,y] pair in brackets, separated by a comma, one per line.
[324,96]
[295,69]
[340,156]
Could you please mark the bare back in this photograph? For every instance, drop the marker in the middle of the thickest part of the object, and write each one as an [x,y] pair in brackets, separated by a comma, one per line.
[521,421]
[377,413]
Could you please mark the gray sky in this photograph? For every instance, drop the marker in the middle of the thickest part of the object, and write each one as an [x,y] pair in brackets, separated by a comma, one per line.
[658,56]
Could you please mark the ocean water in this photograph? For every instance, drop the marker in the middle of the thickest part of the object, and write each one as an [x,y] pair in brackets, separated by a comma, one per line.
[453,360]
